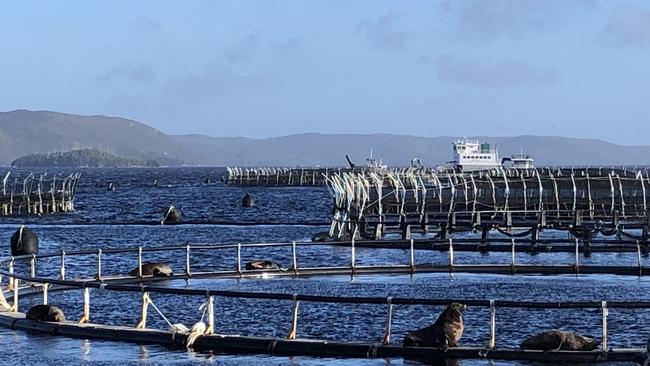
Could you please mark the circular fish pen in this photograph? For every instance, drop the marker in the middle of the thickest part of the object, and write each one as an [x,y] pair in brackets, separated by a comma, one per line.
[148,313]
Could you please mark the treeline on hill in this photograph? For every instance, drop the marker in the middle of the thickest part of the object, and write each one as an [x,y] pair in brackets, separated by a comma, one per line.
[81,158]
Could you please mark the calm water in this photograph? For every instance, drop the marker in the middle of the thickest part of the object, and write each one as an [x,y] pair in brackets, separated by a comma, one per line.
[97,224]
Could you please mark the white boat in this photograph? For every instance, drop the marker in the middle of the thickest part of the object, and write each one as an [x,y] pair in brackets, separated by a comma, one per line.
[471,155]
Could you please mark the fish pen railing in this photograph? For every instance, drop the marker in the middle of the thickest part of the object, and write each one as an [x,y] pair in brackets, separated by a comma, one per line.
[353,264]
[38,194]
[590,195]
[105,286]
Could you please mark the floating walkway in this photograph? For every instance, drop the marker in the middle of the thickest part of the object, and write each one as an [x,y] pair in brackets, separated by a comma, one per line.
[104,286]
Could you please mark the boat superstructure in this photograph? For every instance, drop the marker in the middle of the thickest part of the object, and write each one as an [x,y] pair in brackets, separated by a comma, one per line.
[470,155]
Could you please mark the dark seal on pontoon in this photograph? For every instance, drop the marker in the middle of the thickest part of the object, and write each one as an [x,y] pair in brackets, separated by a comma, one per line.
[555,340]
[444,333]
[45,313]
[156,269]
[262,264]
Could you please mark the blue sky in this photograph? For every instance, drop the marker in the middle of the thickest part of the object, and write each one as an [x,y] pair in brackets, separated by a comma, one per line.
[269,68]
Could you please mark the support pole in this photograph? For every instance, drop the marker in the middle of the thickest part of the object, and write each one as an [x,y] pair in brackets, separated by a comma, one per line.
[451,255]
[411,257]
[12,280]
[294,318]
[143,314]
[239,258]
[210,328]
[32,265]
[353,255]
[14,306]
[493,325]
[86,314]
[514,264]
[45,288]
[294,257]
[99,265]
[188,272]
[62,270]
[605,314]
[638,258]
[140,262]
[389,321]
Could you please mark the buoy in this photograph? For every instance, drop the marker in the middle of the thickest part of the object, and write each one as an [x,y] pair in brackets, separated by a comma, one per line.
[112,186]
[173,216]
[207,180]
[248,201]
[24,241]
[156,183]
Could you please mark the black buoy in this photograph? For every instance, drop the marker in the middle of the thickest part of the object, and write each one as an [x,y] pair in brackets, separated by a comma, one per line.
[207,181]
[173,216]
[112,186]
[156,183]
[24,241]
[248,201]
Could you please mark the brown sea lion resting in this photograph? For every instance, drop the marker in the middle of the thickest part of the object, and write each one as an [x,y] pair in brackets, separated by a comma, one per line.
[554,340]
[156,269]
[444,333]
[262,264]
[45,313]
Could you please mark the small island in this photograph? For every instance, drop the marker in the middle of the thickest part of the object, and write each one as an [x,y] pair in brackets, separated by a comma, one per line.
[92,158]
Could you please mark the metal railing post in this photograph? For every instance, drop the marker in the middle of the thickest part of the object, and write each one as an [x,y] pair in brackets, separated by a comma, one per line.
[62,270]
[239,258]
[638,258]
[353,255]
[188,272]
[411,257]
[99,265]
[493,325]
[12,283]
[389,321]
[45,288]
[210,328]
[143,314]
[451,255]
[86,314]
[294,257]
[514,263]
[32,266]
[605,314]
[294,318]
[140,262]
[577,256]
[14,306]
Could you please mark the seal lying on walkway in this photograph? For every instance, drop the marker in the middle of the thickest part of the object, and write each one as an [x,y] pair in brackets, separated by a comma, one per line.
[444,333]
[156,269]
[263,264]
[45,313]
[554,340]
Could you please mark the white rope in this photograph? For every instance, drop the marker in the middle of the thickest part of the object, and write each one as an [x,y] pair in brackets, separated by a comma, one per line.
[161,314]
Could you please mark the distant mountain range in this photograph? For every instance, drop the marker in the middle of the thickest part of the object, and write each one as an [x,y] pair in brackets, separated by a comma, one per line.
[25,132]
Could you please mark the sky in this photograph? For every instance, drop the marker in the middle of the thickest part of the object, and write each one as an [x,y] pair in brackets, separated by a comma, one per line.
[269,68]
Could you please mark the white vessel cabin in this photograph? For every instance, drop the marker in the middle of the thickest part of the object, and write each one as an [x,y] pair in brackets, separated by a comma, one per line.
[470,155]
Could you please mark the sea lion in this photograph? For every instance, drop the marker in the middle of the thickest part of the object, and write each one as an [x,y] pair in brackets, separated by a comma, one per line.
[45,313]
[156,269]
[262,264]
[444,333]
[554,340]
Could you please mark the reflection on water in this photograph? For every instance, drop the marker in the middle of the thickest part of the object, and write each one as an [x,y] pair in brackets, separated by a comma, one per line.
[137,199]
